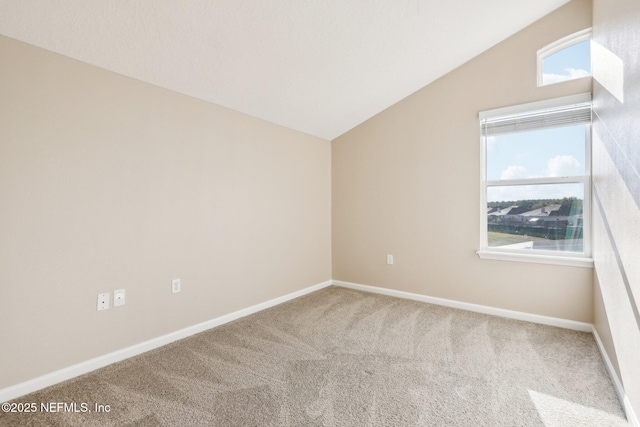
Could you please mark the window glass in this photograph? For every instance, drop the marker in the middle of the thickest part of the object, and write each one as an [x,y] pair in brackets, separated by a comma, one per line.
[540,153]
[538,217]
[569,63]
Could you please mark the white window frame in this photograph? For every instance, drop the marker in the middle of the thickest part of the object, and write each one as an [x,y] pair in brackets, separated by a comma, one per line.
[528,255]
[557,46]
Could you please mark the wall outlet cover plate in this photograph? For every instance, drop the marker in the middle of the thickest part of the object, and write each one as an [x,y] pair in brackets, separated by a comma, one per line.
[103,301]
[118,297]
[175,285]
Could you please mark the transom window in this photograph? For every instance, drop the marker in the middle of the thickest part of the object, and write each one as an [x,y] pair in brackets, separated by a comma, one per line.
[536,170]
[566,59]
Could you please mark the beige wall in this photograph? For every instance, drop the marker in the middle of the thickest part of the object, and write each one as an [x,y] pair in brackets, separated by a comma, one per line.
[406,182]
[616,179]
[110,183]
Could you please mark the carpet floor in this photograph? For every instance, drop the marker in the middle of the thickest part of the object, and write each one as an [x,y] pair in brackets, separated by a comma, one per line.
[339,357]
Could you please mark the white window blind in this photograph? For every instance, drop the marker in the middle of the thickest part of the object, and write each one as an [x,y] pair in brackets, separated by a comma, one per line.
[576,110]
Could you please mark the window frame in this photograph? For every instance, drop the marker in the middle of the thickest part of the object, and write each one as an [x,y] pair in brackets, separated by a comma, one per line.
[528,255]
[556,47]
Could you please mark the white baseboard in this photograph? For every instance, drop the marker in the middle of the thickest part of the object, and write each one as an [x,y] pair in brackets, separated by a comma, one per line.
[518,315]
[82,368]
[617,384]
[633,419]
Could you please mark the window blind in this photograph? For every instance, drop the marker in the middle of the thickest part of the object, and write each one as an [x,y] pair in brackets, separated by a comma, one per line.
[538,119]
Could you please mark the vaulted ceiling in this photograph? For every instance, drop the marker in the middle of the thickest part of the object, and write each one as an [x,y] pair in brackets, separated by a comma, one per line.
[320,67]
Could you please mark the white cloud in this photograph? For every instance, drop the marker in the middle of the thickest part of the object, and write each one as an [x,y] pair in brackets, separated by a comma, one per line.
[563,166]
[514,172]
[570,74]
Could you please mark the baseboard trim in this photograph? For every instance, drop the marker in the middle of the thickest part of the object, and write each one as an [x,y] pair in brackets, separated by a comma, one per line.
[82,368]
[617,384]
[631,415]
[518,315]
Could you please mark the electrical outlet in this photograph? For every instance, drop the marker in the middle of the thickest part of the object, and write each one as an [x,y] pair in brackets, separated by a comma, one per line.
[118,297]
[175,286]
[390,259]
[103,301]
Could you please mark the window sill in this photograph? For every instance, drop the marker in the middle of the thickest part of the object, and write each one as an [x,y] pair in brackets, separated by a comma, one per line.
[538,259]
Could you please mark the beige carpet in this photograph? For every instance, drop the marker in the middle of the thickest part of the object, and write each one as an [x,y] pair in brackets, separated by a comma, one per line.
[340,357]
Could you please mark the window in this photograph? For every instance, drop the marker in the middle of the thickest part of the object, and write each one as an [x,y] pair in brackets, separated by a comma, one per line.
[536,174]
[566,59]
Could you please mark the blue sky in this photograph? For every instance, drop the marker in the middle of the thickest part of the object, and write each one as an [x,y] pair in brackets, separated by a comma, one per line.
[543,153]
[570,63]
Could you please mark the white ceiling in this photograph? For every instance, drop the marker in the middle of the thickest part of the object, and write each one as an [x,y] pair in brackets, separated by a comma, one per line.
[321,67]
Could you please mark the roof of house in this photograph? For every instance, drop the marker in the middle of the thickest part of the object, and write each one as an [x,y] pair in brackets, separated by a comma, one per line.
[543,211]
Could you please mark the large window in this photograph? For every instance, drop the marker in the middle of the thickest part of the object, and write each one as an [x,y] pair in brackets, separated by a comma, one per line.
[536,170]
